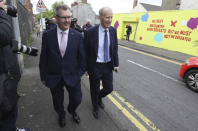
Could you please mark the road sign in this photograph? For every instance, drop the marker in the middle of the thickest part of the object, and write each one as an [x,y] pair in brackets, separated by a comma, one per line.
[41,6]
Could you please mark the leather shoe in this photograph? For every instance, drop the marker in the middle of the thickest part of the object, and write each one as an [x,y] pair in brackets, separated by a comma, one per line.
[95,114]
[76,117]
[101,105]
[62,122]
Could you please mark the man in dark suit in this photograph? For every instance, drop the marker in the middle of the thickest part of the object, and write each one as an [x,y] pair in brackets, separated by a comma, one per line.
[102,57]
[62,63]
[128,31]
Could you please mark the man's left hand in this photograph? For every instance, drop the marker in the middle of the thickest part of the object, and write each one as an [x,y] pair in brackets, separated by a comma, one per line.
[116,69]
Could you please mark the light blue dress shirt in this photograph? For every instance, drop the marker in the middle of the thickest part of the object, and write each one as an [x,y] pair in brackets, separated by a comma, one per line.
[101,34]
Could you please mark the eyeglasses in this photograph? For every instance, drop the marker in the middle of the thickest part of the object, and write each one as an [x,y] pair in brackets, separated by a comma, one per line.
[64,17]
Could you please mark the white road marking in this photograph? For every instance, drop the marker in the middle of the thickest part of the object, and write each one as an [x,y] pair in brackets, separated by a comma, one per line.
[166,76]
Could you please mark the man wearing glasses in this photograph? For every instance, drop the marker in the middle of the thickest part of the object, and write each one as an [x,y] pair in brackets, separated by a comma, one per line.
[62,64]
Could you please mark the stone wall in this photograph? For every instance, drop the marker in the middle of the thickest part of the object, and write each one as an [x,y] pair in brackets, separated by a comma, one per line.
[25,22]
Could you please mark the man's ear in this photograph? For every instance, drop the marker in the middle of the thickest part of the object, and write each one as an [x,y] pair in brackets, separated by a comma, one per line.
[100,17]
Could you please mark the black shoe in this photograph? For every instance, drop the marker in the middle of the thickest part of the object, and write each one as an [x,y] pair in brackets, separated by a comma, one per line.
[61,122]
[22,129]
[76,117]
[101,105]
[95,114]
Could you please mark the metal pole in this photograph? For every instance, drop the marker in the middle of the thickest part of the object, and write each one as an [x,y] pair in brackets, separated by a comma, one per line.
[41,20]
[135,31]
[17,36]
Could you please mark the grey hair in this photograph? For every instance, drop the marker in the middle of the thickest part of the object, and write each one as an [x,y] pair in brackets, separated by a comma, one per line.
[88,20]
[102,10]
[63,7]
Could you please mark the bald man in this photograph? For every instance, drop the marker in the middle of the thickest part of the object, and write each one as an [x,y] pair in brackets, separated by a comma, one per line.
[102,58]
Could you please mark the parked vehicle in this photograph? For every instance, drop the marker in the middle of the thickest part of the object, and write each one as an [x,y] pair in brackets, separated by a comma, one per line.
[189,72]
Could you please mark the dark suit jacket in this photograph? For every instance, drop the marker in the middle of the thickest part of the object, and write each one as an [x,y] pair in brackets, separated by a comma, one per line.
[91,40]
[53,67]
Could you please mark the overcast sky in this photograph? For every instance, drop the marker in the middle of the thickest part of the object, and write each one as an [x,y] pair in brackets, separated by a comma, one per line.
[118,6]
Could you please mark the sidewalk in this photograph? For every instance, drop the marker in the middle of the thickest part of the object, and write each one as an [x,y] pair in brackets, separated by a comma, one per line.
[173,55]
[36,108]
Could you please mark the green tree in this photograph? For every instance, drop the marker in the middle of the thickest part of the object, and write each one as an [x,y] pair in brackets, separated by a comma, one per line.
[49,13]
[54,6]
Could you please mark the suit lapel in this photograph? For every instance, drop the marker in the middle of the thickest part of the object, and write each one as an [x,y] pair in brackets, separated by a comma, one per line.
[96,39]
[69,41]
[111,42]
[56,41]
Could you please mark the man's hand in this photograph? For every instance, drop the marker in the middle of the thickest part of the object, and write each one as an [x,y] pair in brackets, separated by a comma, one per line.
[116,69]
[34,51]
[86,73]
[44,83]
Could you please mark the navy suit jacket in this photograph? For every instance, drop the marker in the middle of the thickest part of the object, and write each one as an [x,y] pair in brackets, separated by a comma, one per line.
[91,40]
[54,67]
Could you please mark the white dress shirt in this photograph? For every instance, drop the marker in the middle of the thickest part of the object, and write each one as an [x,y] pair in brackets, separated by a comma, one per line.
[101,34]
[59,35]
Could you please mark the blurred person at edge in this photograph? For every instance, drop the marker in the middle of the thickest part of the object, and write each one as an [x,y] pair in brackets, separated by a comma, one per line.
[87,25]
[128,31]
[50,23]
[8,67]
[38,33]
[75,26]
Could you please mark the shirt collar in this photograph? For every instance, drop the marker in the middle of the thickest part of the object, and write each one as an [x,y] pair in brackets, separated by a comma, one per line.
[102,29]
[60,31]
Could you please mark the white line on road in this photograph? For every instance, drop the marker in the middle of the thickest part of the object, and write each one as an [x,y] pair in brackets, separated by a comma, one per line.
[148,54]
[168,77]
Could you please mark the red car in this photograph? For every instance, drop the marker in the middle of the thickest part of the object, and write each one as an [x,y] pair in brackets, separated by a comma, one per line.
[189,72]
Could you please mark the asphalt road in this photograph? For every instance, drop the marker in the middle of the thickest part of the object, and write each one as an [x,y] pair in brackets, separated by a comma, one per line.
[148,95]
[153,93]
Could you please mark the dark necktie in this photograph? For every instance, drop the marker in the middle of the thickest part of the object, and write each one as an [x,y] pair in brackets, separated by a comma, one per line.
[106,50]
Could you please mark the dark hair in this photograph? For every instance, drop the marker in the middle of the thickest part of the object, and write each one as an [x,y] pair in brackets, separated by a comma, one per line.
[74,20]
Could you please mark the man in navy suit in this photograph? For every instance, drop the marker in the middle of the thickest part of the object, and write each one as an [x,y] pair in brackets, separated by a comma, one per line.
[62,63]
[102,57]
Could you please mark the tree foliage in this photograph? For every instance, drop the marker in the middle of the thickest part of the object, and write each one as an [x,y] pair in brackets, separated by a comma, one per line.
[49,13]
